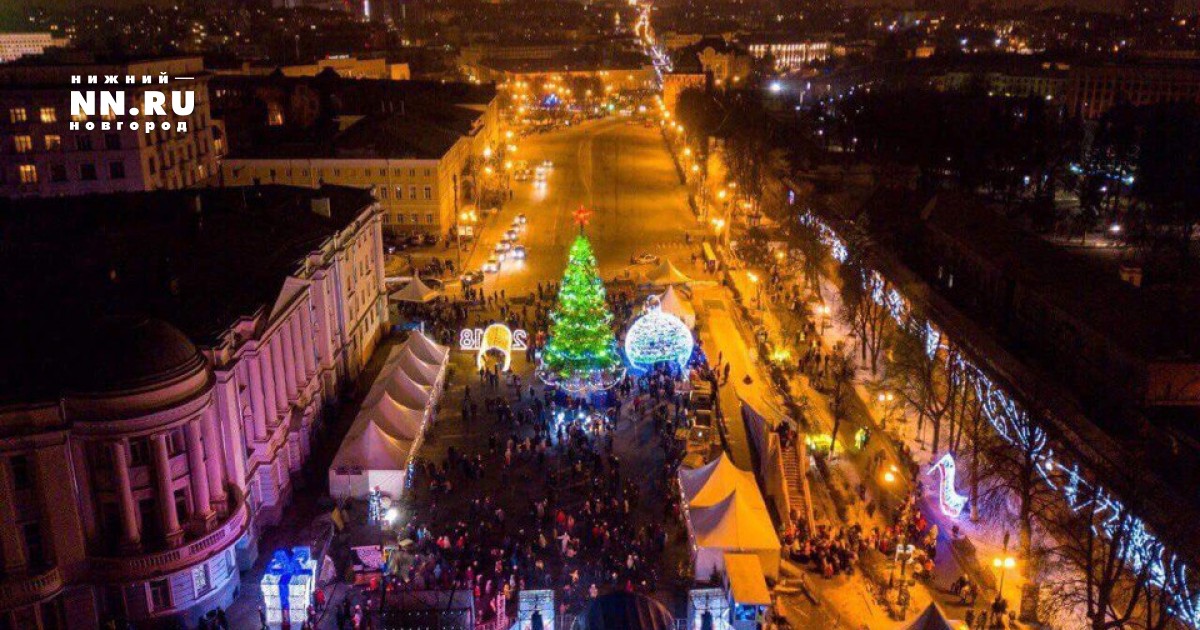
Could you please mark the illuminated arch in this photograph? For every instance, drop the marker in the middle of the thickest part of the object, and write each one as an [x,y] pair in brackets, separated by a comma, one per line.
[496,337]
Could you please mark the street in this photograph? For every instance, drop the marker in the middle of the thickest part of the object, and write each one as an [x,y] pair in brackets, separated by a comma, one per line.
[616,168]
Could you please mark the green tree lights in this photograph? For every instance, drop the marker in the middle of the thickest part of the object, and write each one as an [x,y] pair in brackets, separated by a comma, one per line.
[582,349]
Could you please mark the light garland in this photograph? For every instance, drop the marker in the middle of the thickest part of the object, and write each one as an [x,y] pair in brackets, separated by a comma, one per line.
[949,500]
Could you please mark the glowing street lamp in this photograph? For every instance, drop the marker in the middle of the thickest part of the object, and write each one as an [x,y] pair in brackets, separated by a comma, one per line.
[487,153]
[1003,564]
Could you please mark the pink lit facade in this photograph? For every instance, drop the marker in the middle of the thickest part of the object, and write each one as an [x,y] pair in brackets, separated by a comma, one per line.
[139,496]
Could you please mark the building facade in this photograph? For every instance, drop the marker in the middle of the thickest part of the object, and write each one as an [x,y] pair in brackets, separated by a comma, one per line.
[791,55]
[137,488]
[41,156]
[13,46]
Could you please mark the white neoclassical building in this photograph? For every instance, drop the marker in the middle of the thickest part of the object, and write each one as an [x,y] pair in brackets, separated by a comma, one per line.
[152,415]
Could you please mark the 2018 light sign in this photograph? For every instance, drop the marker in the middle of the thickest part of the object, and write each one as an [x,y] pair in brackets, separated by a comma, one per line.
[495,337]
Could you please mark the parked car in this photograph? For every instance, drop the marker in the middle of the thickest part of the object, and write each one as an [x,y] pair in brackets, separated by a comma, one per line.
[492,265]
[522,219]
[518,252]
[547,164]
[510,234]
[471,277]
[501,248]
[643,259]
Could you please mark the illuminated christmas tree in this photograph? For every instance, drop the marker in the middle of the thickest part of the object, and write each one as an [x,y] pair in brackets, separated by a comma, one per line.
[581,353]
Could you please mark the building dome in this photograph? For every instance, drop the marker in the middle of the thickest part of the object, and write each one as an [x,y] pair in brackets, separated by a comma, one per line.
[118,354]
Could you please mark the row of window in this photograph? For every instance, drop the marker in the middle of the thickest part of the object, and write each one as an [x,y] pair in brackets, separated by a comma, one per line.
[45,114]
[350,172]
[28,173]
[427,193]
[415,218]
[53,142]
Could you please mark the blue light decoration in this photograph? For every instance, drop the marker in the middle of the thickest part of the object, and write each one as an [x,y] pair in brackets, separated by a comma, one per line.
[656,337]
[551,101]
[1143,550]
[287,586]
[949,500]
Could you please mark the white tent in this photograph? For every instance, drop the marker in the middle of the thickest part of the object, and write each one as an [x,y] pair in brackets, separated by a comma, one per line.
[369,458]
[415,291]
[933,618]
[740,523]
[670,302]
[666,274]
[423,372]
[401,422]
[426,349]
[404,390]
[711,483]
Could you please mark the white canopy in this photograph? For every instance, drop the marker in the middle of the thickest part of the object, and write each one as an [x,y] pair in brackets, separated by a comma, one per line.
[415,291]
[425,373]
[402,389]
[400,422]
[426,349]
[713,482]
[740,523]
[666,274]
[369,458]
[670,302]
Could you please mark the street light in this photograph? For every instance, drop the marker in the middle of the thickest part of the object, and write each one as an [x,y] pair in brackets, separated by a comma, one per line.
[487,153]
[1003,564]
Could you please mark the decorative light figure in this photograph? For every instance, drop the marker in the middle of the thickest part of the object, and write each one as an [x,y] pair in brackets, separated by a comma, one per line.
[949,500]
[657,336]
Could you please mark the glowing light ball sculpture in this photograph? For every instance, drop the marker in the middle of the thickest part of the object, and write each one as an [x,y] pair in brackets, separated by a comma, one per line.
[657,336]
[581,354]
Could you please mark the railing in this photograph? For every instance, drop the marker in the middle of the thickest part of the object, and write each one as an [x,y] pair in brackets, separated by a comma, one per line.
[19,591]
[133,567]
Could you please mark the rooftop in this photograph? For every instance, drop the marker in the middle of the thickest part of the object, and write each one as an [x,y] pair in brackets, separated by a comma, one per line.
[196,260]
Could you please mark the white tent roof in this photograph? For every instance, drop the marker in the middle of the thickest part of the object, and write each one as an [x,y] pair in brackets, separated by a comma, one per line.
[403,389]
[400,421]
[713,482]
[426,349]
[415,291]
[739,522]
[670,302]
[423,372]
[666,273]
[369,447]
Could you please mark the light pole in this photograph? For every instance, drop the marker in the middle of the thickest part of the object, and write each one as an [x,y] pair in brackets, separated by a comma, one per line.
[1003,563]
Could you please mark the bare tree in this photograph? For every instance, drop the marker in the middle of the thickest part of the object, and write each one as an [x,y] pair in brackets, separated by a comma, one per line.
[920,379]
[841,377]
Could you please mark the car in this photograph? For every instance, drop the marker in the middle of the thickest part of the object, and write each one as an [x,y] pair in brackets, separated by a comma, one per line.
[644,259]
[522,218]
[518,252]
[540,174]
[502,246]
[510,234]
[492,265]
[471,277]
[547,164]
[523,175]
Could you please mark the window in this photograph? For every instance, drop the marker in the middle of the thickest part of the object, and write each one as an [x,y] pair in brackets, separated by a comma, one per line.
[412,192]
[116,170]
[58,173]
[426,172]
[383,193]
[175,442]
[48,115]
[53,142]
[28,173]
[416,218]
[139,452]
[112,141]
[22,144]
[83,142]
[200,580]
[22,476]
[412,172]
[428,193]
[429,219]
[35,551]
[150,166]
[87,172]
[160,594]
[16,115]
[400,218]
[80,117]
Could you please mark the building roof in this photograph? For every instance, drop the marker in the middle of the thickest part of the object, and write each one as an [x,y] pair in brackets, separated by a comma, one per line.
[385,136]
[195,260]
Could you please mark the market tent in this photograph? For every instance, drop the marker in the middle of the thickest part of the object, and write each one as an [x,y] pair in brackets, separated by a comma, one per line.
[624,611]
[414,291]
[747,584]
[670,302]
[426,349]
[933,619]
[369,458]
[712,482]
[403,389]
[423,372]
[400,422]
[740,523]
[666,274]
